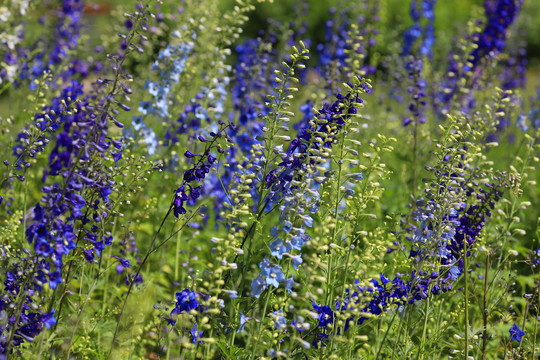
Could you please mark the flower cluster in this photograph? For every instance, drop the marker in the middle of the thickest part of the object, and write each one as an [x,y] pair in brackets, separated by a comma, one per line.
[418,92]
[25,323]
[303,157]
[66,216]
[500,15]
[171,63]
[280,233]
[424,9]
[188,192]
[67,30]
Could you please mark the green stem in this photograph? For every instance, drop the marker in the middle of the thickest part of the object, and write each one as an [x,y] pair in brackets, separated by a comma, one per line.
[421,348]
[385,336]
[177,258]
[399,330]
[465,260]
[485,312]
[536,322]
[254,349]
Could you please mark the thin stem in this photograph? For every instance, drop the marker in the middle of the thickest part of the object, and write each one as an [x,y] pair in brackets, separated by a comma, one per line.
[485,312]
[385,335]
[260,324]
[177,256]
[399,330]
[421,348]
[134,278]
[536,322]
[80,314]
[465,260]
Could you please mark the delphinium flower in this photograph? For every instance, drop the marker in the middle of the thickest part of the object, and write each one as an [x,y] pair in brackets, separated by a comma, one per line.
[201,116]
[421,11]
[12,21]
[67,216]
[20,321]
[85,132]
[252,82]
[170,63]
[448,221]
[190,188]
[459,74]
[128,249]
[32,141]
[335,36]
[500,15]
[417,90]
[236,215]
[464,227]
[295,185]
[187,194]
[332,53]
[480,48]
[248,96]
[514,68]
[309,113]
[304,146]
[516,333]
[67,24]
[186,303]
[46,123]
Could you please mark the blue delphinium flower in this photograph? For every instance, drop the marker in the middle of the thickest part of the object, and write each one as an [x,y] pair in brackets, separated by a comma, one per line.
[516,333]
[500,15]
[278,248]
[270,274]
[30,64]
[196,335]
[326,315]
[65,219]
[417,90]
[274,275]
[463,225]
[170,63]
[191,187]
[280,322]
[30,321]
[252,82]
[243,321]
[420,10]
[186,300]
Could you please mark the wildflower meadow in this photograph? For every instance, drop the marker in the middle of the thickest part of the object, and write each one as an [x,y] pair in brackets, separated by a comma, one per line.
[258,179]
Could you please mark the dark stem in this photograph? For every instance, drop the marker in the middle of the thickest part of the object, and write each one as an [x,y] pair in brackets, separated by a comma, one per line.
[134,278]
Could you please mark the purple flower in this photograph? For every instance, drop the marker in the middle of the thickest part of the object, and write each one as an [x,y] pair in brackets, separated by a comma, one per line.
[326,315]
[123,262]
[196,335]
[186,300]
[516,333]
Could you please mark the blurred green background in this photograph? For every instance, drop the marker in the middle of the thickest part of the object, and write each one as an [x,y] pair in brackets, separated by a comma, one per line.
[450,16]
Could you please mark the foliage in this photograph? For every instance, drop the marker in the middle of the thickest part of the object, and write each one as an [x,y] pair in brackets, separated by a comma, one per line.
[193,187]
